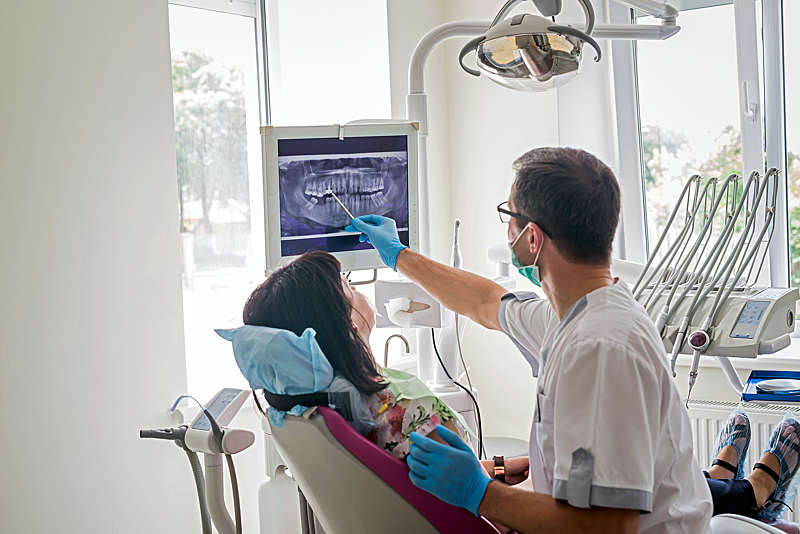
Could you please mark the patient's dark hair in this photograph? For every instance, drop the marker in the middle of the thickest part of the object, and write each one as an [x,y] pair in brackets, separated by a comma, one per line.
[308,293]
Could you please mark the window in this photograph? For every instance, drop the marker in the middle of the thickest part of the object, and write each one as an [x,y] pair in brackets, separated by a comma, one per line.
[220,217]
[720,96]
[689,109]
[315,77]
[328,61]
[791,48]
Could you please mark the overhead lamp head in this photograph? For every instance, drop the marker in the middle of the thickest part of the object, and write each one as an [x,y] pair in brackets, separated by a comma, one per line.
[529,52]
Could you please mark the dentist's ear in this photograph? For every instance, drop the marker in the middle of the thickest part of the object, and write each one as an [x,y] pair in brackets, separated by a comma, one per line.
[536,238]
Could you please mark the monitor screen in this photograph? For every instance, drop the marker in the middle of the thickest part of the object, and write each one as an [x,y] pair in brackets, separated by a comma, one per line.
[369,175]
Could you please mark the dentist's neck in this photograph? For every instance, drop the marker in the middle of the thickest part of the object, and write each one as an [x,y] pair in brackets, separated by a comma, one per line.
[565,283]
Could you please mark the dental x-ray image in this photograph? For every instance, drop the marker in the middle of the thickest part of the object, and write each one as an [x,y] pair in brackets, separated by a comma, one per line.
[368,175]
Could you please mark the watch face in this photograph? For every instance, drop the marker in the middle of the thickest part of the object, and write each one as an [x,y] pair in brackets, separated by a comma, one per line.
[499,468]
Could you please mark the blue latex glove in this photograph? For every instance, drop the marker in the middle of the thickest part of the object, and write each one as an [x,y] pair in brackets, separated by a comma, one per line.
[381,233]
[452,473]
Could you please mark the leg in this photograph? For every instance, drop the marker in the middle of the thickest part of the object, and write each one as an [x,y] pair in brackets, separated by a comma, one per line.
[732,445]
[744,496]
[773,478]
[733,497]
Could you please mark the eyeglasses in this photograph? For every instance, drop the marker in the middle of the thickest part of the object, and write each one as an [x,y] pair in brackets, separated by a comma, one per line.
[505,215]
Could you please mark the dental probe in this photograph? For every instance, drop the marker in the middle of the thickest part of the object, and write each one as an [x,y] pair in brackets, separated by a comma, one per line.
[347,211]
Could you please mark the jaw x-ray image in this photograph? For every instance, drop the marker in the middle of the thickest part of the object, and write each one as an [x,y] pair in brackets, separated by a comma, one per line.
[368,174]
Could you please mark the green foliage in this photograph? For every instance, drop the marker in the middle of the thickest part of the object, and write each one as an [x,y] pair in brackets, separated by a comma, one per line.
[657,145]
[210,133]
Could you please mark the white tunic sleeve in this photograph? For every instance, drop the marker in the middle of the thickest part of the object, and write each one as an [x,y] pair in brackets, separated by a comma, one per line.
[526,318]
[606,407]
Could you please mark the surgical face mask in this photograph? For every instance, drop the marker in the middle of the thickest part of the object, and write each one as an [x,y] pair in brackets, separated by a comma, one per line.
[531,272]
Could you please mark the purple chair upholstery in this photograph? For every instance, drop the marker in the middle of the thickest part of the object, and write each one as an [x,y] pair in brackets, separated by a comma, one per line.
[446,518]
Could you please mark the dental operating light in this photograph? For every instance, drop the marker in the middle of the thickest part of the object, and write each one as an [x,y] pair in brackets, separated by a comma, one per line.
[531,52]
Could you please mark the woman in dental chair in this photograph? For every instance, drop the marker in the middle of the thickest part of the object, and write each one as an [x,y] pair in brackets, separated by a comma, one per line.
[310,292]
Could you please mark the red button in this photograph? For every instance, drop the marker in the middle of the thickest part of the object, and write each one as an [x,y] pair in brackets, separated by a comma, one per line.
[698,339]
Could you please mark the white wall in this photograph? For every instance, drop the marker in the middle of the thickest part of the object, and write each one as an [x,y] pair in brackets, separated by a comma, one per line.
[489,127]
[90,314]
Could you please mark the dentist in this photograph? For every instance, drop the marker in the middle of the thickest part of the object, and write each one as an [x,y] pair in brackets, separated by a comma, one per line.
[610,443]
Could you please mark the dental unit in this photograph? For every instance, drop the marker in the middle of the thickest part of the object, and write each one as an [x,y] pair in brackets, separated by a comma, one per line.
[708,301]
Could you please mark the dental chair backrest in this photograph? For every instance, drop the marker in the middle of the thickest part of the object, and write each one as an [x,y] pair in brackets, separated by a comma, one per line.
[354,486]
[737,524]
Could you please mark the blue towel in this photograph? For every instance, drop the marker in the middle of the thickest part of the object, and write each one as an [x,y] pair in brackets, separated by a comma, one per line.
[280,362]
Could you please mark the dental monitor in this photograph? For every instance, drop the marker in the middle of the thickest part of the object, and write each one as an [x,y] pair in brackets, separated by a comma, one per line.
[315,175]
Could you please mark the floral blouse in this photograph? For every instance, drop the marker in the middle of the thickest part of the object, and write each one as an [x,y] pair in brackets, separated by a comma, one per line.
[398,413]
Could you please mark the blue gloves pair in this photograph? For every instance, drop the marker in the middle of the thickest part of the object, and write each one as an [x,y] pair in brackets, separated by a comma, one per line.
[450,472]
[381,233]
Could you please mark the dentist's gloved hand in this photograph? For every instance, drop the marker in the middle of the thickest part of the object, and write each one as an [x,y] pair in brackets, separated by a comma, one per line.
[453,474]
[381,233]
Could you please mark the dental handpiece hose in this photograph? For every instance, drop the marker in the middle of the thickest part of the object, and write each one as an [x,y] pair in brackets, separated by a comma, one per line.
[724,276]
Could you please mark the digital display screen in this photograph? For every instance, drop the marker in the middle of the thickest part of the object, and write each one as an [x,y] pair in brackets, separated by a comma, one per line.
[216,407]
[369,175]
[749,319]
[752,313]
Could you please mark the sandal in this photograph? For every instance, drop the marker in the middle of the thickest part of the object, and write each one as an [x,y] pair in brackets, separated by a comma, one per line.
[785,445]
[736,433]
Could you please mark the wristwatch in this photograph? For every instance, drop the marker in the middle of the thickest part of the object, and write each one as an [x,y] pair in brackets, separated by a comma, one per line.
[499,468]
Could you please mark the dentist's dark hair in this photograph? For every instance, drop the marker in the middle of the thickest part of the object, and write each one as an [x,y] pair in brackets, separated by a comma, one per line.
[308,293]
[572,194]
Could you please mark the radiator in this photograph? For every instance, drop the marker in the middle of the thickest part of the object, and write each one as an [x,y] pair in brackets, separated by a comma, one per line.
[707,418]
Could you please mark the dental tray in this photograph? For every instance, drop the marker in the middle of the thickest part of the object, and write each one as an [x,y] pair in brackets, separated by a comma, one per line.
[752,393]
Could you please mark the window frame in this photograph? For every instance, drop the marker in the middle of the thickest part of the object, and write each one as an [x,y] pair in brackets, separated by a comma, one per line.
[763,127]
[256,10]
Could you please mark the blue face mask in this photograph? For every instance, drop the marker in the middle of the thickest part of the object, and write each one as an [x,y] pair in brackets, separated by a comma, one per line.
[531,272]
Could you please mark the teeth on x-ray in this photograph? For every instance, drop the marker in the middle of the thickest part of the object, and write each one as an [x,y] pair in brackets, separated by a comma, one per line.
[365,185]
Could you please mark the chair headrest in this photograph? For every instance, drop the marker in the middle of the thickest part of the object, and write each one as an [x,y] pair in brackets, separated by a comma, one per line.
[283,363]
[280,362]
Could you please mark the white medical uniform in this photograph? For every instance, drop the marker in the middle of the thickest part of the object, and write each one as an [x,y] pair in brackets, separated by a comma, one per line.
[609,428]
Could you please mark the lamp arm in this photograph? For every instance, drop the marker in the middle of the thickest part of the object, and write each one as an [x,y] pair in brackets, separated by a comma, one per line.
[416,66]
[657,9]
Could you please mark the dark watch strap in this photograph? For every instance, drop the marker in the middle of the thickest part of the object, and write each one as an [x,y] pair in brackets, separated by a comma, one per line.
[500,468]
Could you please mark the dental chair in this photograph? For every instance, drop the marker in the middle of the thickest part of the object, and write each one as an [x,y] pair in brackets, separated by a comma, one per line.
[737,524]
[353,486]
[349,483]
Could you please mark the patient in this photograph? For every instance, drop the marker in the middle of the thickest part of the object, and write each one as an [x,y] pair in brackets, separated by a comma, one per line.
[311,292]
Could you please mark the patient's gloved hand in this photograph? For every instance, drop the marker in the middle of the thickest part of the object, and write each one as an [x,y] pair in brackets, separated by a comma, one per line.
[452,473]
[381,233]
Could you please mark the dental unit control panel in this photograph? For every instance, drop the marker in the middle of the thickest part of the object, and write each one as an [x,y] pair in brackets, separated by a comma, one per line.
[751,322]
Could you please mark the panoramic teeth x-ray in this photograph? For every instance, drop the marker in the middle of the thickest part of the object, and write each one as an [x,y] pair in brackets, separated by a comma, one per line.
[364,185]
[368,175]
